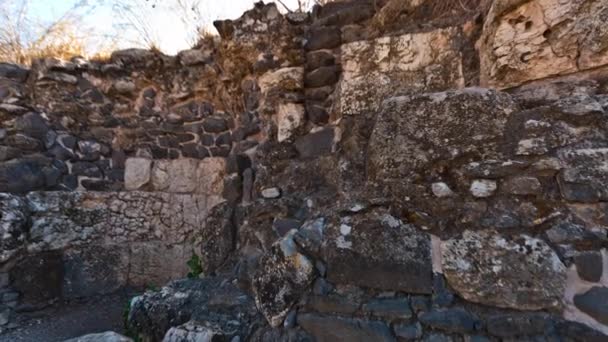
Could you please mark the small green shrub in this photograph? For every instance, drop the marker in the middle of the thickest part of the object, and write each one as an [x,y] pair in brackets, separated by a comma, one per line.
[194,264]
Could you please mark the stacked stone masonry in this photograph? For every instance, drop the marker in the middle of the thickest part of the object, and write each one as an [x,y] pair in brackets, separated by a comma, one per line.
[387,170]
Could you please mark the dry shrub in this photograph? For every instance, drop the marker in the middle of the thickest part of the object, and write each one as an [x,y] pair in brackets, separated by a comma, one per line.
[24,38]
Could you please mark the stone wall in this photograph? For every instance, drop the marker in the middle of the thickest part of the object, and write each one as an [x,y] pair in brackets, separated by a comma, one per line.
[341,174]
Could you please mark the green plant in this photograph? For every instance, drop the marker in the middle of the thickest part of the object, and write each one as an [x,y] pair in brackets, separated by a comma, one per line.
[195,266]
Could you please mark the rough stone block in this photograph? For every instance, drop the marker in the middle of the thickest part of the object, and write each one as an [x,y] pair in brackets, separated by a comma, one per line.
[397,258]
[137,173]
[518,272]
[420,61]
[530,40]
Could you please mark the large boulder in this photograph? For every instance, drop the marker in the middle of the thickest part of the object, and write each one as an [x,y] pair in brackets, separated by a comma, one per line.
[525,40]
[519,272]
[377,250]
[413,132]
[281,278]
[14,215]
[212,306]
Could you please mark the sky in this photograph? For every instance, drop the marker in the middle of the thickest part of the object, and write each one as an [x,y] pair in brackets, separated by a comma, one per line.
[171,34]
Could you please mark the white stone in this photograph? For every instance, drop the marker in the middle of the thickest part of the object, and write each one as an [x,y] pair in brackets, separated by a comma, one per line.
[483,188]
[441,190]
[373,69]
[285,79]
[345,229]
[137,173]
[271,193]
[210,175]
[290,116]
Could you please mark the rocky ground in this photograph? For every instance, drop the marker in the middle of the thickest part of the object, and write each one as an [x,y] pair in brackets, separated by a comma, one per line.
[71,319]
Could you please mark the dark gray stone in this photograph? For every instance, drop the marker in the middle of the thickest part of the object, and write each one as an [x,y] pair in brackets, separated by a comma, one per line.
[579,332]
[86,169]
[224,139]
[331,329]
[68,141]
[13,72]
[316,113]
[215,301]
[408,331]
[7,153]
[565,231]
[442,297]
[283,226]
[455,320]
[389,308]
[589,265]
[24,142]
[22,175]
[215,125]
[317,59]
[594,303]
[342,13]
[420,303]
[316,144]
[397,258]
[38,278]
[332,304]
[32,124]
[94,271]
[323,38]
[513,325]
[322,76]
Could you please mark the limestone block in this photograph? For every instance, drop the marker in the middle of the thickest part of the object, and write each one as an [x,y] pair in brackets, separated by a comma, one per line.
[423,61]
[526,40]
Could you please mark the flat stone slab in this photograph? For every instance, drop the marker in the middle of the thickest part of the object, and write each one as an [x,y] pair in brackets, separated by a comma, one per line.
[438,127]
[518,272]
[379,251]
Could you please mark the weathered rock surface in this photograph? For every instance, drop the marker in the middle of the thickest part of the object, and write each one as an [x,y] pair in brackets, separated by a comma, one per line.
[439,127]
[489,268]
[424,61]
[197,308]
[381,252]
[283,275]
[14,214]
[526,40]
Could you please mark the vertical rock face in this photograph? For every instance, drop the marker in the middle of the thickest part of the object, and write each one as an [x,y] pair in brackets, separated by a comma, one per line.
[525,40]
[485,267]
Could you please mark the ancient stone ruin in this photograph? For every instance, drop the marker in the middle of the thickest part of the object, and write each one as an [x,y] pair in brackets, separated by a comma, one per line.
[371,171]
